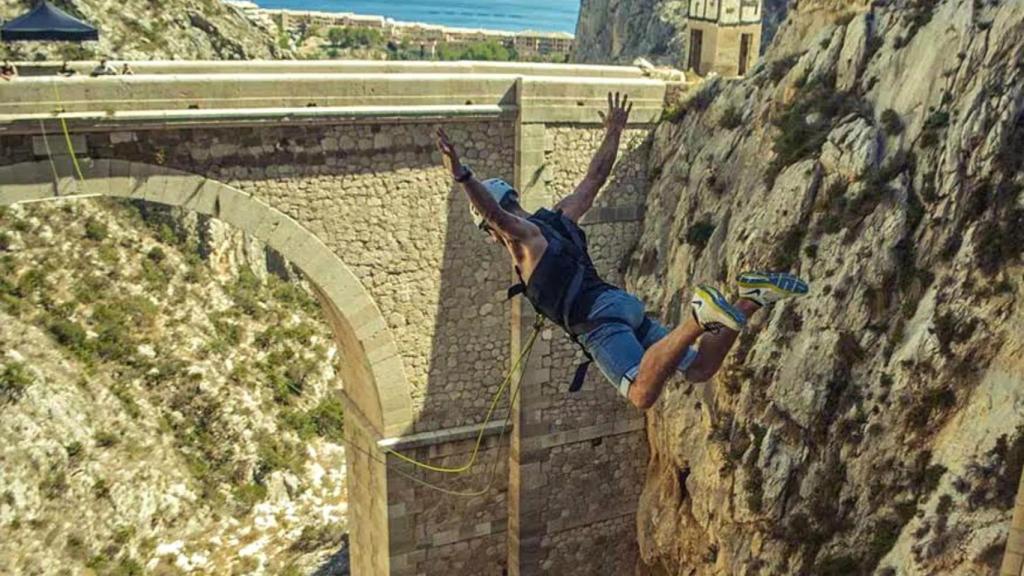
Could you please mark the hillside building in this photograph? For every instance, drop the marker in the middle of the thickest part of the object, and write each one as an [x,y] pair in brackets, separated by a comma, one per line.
[724,36]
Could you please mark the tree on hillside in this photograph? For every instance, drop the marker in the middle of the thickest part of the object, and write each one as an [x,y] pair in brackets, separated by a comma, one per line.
[355,37]
[490,50]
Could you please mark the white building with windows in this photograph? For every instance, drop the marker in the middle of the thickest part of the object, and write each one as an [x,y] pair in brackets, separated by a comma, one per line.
[725,36]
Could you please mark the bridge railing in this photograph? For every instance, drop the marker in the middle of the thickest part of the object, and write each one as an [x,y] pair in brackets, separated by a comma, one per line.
[217,98]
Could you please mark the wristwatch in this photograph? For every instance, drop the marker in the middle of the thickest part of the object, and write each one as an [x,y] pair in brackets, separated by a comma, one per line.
[465,175]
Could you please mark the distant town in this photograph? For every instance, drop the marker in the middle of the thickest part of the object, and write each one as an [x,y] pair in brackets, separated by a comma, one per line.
[345,34]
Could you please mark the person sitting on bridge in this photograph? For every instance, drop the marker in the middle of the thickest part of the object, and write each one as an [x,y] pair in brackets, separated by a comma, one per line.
[635,353]
[104,68]
[8,71]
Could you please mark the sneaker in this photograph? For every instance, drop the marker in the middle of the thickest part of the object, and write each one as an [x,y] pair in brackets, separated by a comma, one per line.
[768,288]
[713,312]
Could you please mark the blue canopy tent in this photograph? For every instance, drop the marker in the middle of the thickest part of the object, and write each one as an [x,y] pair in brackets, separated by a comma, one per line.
[46,22]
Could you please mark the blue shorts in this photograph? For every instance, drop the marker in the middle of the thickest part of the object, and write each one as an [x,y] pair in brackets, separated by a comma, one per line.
[617,346]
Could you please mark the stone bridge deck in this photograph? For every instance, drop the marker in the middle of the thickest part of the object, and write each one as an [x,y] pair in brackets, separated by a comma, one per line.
[333,165]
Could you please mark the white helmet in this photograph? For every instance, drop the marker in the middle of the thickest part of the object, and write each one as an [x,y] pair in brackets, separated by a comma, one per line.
[501,191]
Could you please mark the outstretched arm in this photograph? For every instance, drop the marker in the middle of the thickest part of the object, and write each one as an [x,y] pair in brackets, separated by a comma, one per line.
[505,223]
[575,205]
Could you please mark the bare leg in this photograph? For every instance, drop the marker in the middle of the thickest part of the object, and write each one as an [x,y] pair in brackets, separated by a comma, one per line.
[660,361]
[715,347]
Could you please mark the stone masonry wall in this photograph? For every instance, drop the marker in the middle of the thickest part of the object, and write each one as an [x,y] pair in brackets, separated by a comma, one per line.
[462,533]
[378,196]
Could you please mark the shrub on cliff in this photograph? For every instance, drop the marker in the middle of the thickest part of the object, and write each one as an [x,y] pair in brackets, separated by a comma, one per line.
[891,122]
[15,378]
[803,125]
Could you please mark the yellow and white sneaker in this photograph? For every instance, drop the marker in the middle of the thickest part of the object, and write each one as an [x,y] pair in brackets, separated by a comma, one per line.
[713,312]
[769,287]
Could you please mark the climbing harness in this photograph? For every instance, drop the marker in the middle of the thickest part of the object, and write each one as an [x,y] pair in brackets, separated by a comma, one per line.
[555,222]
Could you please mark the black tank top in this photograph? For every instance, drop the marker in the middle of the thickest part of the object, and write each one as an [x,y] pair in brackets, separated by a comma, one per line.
[554,289]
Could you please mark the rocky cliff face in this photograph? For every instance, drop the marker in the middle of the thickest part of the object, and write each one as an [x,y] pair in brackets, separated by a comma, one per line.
[148,30]
[876,425]
[164,408]
[619,31]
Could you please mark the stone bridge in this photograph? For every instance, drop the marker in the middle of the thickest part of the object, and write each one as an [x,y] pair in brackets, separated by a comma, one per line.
[333,165]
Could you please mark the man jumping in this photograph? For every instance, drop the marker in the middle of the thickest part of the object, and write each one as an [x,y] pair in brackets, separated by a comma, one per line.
[636,353]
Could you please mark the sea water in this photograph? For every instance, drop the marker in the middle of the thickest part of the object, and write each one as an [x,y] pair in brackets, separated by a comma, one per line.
[514,15]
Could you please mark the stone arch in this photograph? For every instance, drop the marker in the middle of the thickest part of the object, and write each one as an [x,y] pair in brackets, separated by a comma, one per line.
[376,392]
[372,371]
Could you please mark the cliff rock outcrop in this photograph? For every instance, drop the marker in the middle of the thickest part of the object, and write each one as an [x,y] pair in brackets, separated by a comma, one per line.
[147,30]
[619,31]
[877,425]
[161,412]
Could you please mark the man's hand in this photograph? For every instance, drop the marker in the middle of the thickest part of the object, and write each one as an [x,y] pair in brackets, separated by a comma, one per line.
[449,155]
[618,112]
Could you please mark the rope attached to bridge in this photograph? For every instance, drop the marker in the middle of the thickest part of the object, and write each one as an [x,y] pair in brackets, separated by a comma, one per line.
[524,358]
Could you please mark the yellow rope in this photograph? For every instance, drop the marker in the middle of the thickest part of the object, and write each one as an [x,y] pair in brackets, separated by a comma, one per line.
[525,356]
[67,134]
[49,154]
[490,411]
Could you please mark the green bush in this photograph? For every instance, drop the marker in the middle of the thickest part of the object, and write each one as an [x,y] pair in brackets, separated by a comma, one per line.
[293,295]
[15,378]
[326,420]
[128,566]
[247,496]
[314,538]
[247,292]
[275,453]
[698,102]
[754,488]
[931,404]
[55,484]
[999,241]
[75,451]
[891,122]
[798,138]
[933,125]
[787,249]
[1010,156]
[105,439]
[778,69]
[95,230]
[489,50]
[840,565]
[69,334]
[156,255]
[918,13]
[100,489]
[699,234]
[355,37]
[33,282]
[122,392]
[731,119]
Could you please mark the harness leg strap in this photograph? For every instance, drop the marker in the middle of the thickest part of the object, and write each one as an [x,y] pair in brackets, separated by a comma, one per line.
[581,375]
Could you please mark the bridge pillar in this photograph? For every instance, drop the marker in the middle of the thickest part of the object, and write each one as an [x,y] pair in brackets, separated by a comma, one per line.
[577,460]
